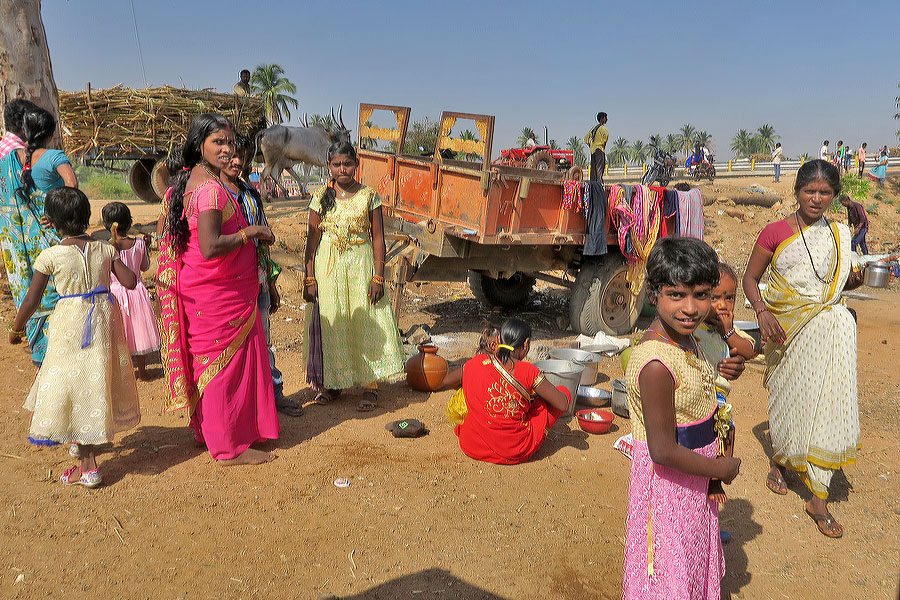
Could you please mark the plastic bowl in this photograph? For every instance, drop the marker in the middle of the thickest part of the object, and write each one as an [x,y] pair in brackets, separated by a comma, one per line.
[600,423]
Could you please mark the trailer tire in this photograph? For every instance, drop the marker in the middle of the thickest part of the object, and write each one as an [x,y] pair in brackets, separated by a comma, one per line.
[160,177]
[509,292]
[540,161]
[575,173]
[601,300]
[139,178]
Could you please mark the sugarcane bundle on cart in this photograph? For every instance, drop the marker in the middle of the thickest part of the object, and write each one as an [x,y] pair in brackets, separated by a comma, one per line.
[143,125]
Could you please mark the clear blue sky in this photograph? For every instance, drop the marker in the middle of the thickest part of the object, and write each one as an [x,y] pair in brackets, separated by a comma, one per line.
[813,70]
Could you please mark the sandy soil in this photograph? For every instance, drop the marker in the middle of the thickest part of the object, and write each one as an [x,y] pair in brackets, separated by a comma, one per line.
[420,520]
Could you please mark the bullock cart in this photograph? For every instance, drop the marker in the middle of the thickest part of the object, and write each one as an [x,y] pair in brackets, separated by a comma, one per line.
[499,227]
[142,125]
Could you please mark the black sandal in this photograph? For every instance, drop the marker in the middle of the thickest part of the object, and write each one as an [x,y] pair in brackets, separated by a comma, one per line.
[365,405]
[288,407]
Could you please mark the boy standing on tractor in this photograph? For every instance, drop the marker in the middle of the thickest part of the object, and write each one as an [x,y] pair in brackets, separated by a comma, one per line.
[596,139]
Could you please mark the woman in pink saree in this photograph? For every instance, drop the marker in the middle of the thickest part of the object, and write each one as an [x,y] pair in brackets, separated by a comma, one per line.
[214,350]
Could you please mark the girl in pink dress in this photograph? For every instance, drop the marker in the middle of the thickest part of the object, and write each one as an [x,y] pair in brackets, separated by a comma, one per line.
[672,544]
[141,330]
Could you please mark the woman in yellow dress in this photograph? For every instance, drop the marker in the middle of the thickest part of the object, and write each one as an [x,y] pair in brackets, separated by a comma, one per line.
[352,337]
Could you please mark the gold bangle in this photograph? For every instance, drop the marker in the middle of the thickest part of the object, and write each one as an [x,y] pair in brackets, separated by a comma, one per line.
[244,237]
[309,281]
[378,280]
[18,332]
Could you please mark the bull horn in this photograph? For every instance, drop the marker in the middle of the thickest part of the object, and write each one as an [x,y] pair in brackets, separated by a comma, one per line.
[333,119]
[341,116]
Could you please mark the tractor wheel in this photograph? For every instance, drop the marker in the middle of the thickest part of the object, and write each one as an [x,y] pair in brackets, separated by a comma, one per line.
[601,299]
[541,161]
[509,292]
[140,181]
[575,173]
[160,177]
[711,173]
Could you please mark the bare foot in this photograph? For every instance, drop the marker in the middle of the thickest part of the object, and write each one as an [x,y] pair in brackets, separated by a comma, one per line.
[250,456]
[716,492]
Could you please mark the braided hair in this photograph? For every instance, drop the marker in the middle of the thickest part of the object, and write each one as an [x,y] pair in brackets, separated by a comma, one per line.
[37,127]
[202,127]
[328,197]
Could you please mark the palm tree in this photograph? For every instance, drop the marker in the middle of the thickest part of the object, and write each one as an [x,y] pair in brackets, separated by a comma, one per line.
[468,135]
[655,140]
[268,83]
[619,152]
[703,138]
[577,147]
[767,136]
[638,152]
[672,143]
[553,144]
[526,134]
[742,144]
[686,137]
[326,122]
[367,142]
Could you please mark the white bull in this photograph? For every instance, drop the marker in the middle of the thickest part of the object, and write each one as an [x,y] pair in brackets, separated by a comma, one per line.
[284,146]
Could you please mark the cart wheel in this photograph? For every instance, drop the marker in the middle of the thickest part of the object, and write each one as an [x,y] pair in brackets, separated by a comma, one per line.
[160,177]
[508,293]
[140,180]
[575,173]
[712,172]
[540,160]
[601,299]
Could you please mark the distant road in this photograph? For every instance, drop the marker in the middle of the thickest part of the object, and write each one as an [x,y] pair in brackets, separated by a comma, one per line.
[738,169]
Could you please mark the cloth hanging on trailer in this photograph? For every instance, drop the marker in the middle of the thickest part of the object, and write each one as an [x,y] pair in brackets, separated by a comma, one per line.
[595,204]
[690,214]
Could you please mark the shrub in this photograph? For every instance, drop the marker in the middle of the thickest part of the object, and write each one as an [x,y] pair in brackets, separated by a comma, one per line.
[855,186]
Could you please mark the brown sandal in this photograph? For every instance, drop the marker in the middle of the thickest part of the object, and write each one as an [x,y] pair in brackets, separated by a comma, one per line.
[832,528]
[776,484]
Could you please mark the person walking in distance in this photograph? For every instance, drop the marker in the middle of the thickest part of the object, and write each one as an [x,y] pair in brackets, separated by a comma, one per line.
[596,138]
[861,158]
[859,223]
[777,156]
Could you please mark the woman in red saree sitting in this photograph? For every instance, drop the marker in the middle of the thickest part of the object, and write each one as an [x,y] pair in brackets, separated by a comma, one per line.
[510,404]
[214,349]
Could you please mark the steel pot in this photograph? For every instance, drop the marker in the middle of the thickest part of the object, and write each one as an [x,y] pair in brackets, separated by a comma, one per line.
[620,399]
[877,275]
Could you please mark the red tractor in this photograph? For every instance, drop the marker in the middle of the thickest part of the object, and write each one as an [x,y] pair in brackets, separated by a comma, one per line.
[542,158]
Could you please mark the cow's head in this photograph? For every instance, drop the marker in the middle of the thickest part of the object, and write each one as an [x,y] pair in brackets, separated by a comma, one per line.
[340,133]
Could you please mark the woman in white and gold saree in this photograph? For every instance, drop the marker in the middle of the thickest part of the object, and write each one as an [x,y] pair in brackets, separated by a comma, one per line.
[810,340]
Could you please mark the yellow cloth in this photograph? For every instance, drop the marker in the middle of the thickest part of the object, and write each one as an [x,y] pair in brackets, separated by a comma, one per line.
[457,408]
[598,142]
[811,378]
[695,392]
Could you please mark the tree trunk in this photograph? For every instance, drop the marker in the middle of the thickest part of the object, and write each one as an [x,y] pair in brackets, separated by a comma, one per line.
[25,70]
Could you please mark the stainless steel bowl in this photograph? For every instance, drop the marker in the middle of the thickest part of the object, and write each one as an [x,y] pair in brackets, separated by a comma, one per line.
[593,397]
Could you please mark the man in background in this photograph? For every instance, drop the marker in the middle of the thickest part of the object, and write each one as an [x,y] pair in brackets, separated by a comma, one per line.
[861,157]
[242,87]
[859,223]
[596,139]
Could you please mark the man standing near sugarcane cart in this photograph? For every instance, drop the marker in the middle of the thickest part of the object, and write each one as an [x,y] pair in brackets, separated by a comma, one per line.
[596,139]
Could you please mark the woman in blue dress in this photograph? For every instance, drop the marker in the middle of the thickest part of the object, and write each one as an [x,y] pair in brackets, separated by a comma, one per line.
[26,175]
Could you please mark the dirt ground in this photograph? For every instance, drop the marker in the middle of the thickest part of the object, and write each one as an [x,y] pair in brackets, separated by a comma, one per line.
[419,519]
